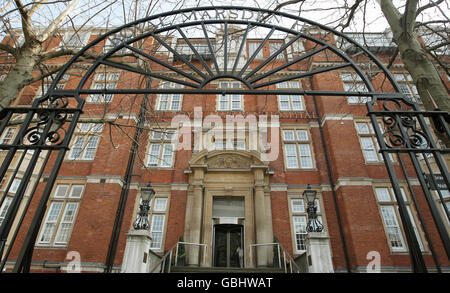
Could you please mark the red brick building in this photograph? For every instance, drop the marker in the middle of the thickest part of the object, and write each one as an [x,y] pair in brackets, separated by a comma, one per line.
[224,186]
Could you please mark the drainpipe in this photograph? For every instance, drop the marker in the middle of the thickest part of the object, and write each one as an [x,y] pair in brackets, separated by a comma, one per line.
[331,180]
[112,248]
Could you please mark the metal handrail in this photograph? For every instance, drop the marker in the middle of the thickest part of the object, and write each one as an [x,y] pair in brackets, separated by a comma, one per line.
[169,253]
[289,259]
[163,260]
[190,243]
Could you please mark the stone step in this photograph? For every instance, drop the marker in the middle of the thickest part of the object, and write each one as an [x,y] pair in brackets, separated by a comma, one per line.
[182,269]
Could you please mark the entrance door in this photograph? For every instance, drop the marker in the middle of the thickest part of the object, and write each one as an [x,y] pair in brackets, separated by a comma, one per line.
[228,246]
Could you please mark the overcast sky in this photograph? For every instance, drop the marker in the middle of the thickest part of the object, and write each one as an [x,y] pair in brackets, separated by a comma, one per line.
[121,13]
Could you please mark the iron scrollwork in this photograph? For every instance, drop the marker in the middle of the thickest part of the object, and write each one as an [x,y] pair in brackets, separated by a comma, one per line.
[400,129]
[52,118]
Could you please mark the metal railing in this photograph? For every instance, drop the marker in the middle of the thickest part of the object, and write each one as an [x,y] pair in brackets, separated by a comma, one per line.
[284,258]
[169,258]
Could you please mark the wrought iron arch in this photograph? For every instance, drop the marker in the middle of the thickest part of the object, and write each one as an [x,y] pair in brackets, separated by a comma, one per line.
[51,110]
[208,73]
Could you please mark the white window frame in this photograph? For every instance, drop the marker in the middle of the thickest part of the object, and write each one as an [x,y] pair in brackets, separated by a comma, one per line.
[183,48]
[295,147]
[291,100]
[353,82]
[4,208]
[75,40]
[252,47]
[169,98]
[300,232]
[104,80]
[101,98]
[407,86]
[158,210]
[118,38]
[66,224]
[15,185]
[161,149]
[44,89]
[85,142]
[386,200]
[87,146]
[274,47]
[444,202]
[8,135]
[87,127]
[298,211]
[59,218]
[230,100]
[368,141]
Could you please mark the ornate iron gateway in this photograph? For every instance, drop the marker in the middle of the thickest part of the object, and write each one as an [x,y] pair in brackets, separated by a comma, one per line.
[169,41]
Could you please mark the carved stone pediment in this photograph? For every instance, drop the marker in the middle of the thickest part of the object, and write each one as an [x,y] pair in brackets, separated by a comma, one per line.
[228,160]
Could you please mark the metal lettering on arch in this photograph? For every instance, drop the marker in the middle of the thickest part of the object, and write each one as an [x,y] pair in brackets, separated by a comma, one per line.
[166,48]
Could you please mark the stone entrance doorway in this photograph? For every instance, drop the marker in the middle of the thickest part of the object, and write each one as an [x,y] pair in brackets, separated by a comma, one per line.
[227,208]
[228,245]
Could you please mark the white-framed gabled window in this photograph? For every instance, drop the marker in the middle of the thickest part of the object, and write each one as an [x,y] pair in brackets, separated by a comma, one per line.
[297,149]
[353,83]
[57,226]
[161,151]
[391,218]
[233,102]
[85,141]
[290,102]
[169,102]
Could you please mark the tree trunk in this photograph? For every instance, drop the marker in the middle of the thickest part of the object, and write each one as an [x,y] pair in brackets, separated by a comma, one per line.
[425,76]
[17,78]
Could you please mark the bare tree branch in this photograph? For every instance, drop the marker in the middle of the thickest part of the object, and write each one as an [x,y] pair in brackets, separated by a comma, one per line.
[351,14]
[6,6]
[409,16]
[54,25]
[7,48]
[427,6]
